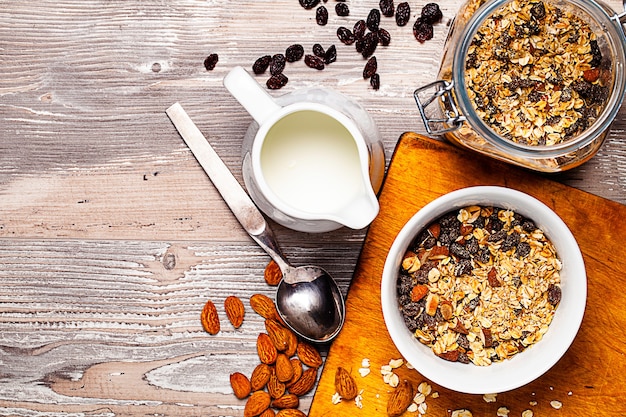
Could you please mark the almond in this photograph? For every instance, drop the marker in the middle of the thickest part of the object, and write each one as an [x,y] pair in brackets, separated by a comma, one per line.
[286,401]
[268,413]
[258,402]
[209,318]
[263,306]
[240,384]
[418,292]
[400,399]
[296,364]
[278,333]
[309,355]
[305,383]
[260,376]
[290,412]
[345,384]
[284,369]
[266,349]
[234,310]
[292,343]
[275,388]
[272,273]
[446,309]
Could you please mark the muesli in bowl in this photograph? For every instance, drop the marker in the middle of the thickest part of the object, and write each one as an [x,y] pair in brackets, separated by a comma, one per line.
[483,289]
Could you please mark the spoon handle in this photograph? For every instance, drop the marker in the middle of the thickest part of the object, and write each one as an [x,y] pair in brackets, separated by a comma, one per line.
[232,192]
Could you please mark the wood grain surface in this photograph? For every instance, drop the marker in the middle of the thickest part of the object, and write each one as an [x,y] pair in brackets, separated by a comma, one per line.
[111,236]
[590,377]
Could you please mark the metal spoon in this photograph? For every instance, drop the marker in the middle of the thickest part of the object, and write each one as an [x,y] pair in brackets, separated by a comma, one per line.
[307,299]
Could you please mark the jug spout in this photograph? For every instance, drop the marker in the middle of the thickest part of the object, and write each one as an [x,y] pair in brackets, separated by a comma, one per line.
[360,213]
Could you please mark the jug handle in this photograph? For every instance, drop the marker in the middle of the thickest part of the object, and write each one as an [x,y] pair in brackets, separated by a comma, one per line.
[250,94]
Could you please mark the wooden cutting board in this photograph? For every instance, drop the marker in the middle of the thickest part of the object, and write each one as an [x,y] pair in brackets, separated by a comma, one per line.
[589,380]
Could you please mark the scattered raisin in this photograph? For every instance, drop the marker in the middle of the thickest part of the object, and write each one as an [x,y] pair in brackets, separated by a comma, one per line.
[294,53]
[318,50]
[370,67]
[375,81]
[359,29]
[277,81]
[431,13]
[345,35]
[384,37]
[386,7]
[373,20]
[321,16]
[261,64]
[211,61]
[331,55]
[422,30]
[313,61]
[370,42]
[342,9]
[277,64]
[309,4]
[403,13]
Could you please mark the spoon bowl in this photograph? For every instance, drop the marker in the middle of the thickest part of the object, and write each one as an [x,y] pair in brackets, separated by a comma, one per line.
[308,298]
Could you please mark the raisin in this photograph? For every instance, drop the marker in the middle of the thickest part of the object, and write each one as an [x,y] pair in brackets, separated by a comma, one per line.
[510,242]
[431,13]
[211,61]
[554,294]
[294,53]
[277,64]
[384,37]
[370,42]
[321,16]
[261,64]
[422,30]
[538,11]
[277,81]
[318,50]
[359,29]
[459,251]
[313,61]
[403,13]
[595,53]
[370,67]
[331,55]
[345,35]
[375,81]
[463,267]
[309,4]
[386,7]
[373,20]
[523,250]
[342,9]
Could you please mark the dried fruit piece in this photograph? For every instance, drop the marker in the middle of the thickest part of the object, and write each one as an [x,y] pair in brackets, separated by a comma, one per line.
[345,384]
[309,4]
[431,13]
[260,376]
[554,294]
[342,9]
[263,306]
[277,81]
[309,355]
[403,13]
[240,384]
[261,64]
[386,7]
[305,383]
[373,20]
[318,50]
[384,37]
[375,81]
[422,30]
[418,292]
[345,35]
[258,402]
[272,273]
[265,348]
[331,55]
[591,75]
[400,399]
[492,278]
[313,61]
[451,355]
[371,66]
[286,401]
[209,318]
[294,53]
[369,44]
[359,29]
[321,16]
[211,61]
[234,310]
[284,369]
[432,302]
[277,64]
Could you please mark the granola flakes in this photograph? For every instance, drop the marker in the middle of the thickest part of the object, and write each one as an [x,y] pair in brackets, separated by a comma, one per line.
[535,73]
[489,273]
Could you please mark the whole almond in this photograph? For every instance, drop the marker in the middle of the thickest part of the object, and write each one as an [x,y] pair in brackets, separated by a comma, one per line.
[309,355]
[290,412]
[275,388]
[260,376]
[258,402]
[296,364]
[400,399]
[266,349]
[305,383]
[284,369]
[286,401]
[272,273]
[345,384]
[209,318]
[240,384]
[268,413]
[234,310]
[278,333]
[263,306]
[292,343]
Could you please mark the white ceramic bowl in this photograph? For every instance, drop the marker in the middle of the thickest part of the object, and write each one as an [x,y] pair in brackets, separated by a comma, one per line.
[532,362]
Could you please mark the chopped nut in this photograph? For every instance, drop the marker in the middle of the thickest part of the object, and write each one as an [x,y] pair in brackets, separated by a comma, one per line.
[490,398]
[556,404]
[503,412]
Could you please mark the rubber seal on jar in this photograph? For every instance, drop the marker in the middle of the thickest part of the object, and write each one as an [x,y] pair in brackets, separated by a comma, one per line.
[446,117]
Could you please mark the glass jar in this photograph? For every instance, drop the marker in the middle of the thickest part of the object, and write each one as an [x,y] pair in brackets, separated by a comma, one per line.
[447,108]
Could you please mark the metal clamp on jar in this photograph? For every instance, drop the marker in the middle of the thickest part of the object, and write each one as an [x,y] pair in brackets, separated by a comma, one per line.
[515,88]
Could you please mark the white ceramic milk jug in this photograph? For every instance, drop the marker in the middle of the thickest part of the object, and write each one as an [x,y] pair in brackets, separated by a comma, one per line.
[312,160]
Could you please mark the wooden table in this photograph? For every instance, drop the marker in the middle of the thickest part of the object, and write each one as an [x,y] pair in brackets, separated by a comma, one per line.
[111,236]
